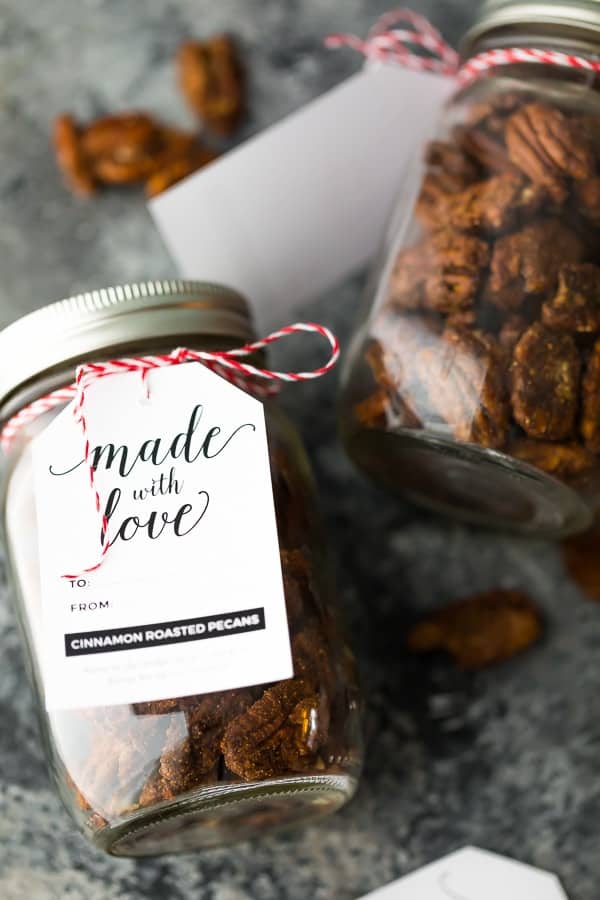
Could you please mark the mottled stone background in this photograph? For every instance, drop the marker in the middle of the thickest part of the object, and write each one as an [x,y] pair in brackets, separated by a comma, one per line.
[508,759]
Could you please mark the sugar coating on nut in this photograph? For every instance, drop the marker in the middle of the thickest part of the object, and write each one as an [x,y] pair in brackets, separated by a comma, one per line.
[545,383]
[576,305]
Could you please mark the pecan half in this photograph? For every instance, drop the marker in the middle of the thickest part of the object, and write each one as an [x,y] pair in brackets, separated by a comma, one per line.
[449,171]
[264,740]
[494,205]
[487,150]
[123,137]
[528,261]
[207,718]
[441,272]
[481,630]
[71,157]
[576,305]
[463,378]
[549,147]
[545,383]
[392,361]
[210,78]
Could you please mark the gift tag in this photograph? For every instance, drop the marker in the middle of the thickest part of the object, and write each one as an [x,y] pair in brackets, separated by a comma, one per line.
[294,210]
[189,596]
[473,874]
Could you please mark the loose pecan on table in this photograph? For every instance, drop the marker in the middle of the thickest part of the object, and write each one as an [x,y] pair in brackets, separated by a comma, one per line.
[210,77]
[481,630]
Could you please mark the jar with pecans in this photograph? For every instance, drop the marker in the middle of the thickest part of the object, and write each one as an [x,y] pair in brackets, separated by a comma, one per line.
[474,383]
[169,573]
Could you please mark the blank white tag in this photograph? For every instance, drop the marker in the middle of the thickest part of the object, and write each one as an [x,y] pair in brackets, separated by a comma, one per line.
[292,211]
[189,598]
[474,874]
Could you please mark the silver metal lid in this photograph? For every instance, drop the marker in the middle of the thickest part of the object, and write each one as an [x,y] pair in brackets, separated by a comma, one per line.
[555,22]
[101,322]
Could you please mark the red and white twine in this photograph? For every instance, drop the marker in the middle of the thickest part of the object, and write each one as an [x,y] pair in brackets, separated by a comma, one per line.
[260,382]
[422,48]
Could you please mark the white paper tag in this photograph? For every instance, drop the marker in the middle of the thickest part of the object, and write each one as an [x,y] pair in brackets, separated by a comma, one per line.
[294,210]
[474,874]
[189,598]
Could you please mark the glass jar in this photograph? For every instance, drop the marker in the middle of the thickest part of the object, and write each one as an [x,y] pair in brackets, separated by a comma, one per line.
[199,769]
[473,384]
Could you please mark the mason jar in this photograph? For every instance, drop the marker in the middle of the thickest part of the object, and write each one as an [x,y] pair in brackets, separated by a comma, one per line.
[473,383]
[237,709]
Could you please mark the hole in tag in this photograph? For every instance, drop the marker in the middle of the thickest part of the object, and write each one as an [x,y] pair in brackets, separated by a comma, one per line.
[447,890]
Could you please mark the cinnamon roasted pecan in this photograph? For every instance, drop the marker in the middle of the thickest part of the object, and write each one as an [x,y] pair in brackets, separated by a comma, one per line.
[440,273]
[123,137]
[391,369]
[207,719]
[528,261]
[487,150]
[545,383]
[481,630]
[71,157]
[494,205]
[177,766]
[449,171]
[576,305]
[561,460]
[549,147]
[126,148]
[464,378]
[447,158]
[256,743]
[392,362]
[590,411]
[210,78]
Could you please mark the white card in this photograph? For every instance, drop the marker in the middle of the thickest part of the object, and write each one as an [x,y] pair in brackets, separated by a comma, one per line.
[189,598]
[294,210]
[474,874]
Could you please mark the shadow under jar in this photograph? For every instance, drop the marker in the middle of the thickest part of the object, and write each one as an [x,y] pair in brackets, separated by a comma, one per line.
[473,386]
[201,769]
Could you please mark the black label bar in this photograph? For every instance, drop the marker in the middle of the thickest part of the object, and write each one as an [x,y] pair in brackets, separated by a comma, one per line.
[162,633]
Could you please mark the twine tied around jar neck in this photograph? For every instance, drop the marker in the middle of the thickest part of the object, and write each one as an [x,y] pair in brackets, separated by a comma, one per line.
[261,383]
[422,48]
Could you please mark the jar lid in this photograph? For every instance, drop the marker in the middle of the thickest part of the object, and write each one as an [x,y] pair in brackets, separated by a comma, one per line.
[109,320]
[504,22]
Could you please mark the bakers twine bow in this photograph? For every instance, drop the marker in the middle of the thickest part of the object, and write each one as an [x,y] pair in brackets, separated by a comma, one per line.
[261,382]
[421,47]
